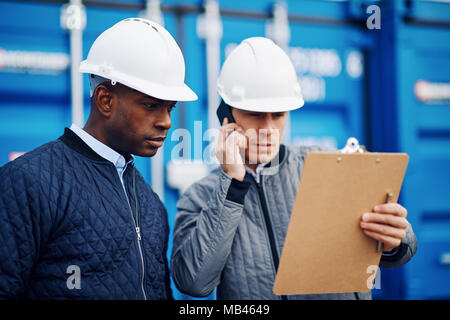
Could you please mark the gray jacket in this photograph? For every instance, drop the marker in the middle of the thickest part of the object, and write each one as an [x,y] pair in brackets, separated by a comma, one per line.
[229,234]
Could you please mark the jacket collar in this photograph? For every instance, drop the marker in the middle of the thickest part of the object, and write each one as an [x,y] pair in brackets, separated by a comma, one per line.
[119,161]
[74,142]
[268,168]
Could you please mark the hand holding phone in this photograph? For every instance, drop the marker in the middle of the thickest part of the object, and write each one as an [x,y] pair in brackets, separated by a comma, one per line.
[230,149]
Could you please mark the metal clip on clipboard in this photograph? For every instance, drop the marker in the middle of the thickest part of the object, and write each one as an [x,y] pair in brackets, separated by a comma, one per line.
[353,146]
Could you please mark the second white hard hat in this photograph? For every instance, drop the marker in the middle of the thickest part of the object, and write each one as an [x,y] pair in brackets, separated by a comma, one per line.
[259,76]
[142,55]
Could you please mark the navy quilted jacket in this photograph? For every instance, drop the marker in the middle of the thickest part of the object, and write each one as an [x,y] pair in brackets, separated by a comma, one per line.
[67,229]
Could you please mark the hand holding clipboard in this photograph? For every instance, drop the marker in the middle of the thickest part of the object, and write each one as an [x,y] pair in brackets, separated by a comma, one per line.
[325,250]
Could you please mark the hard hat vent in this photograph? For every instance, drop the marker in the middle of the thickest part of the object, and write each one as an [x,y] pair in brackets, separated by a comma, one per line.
[143,21]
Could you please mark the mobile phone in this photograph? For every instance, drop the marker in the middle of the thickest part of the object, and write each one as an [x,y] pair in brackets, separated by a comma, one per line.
[224,111]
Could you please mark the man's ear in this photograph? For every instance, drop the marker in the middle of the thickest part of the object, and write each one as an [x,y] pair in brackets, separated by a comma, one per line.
[104,99]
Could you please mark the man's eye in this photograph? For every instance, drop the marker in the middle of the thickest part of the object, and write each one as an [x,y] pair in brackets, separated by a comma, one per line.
[151,105]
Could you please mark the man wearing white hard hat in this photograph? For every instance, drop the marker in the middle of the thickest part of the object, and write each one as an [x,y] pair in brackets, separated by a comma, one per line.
[77,220]
[231,225]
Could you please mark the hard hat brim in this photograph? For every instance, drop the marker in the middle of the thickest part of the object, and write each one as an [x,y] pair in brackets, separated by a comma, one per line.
[282,104]
[163,92]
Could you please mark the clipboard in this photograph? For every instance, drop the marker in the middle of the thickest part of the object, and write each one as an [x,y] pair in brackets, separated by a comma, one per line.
[325,250]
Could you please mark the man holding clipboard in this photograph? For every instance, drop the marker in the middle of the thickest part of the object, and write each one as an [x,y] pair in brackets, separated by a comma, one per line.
[231,226]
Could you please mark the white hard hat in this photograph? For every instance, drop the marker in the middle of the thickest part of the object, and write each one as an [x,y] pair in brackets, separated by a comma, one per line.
[259,76]
[141,55]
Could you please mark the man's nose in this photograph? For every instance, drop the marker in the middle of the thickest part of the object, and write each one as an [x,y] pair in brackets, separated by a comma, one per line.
[267,133]
[268,129]
[163,119]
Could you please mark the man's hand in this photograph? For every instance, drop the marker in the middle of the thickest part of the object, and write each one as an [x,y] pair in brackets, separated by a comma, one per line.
[228,152]
[387,223]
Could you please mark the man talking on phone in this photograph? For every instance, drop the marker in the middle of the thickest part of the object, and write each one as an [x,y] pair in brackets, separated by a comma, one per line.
[231,226]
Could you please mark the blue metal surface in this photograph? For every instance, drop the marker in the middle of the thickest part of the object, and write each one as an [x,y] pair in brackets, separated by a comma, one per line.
[416,49]
[33,107]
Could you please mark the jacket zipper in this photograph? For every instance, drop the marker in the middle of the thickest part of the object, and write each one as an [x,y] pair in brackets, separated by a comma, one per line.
[273,247]
[137,229]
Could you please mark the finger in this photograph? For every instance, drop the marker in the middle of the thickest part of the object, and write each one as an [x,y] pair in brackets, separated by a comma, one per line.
[387,219]
[225,145]
[225,131]
[227,124]
[241,139]
[398,233]
[232,128]
[388,242]
[231,147]
[392,208]
[235,141]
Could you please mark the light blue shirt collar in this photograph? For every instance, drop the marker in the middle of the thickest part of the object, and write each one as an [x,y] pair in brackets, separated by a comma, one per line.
[102,149]
[256,175]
